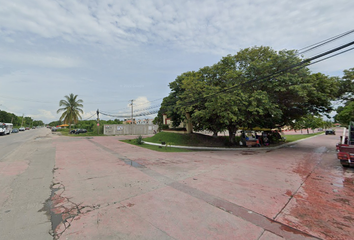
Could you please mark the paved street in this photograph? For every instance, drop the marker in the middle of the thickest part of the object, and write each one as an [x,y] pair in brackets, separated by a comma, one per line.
[26,165]
[106,189]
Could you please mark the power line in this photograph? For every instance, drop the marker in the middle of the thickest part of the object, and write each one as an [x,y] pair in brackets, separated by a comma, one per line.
[136,112]
[126,108]
[89,117]
[324,42]
[147,113]
[148,102]
[296,66]
[144,109]
[332,56]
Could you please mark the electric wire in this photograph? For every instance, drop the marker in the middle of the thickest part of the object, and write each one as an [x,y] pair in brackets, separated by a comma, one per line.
[347,50]
[324,42]
[302,64]
[89,117]
[127,108]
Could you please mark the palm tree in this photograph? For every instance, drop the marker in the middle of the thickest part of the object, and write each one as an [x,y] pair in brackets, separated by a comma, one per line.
[71,109]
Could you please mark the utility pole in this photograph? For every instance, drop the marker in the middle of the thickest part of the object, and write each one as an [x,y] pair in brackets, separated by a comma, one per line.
[98,122]
[132,109]
[22,120]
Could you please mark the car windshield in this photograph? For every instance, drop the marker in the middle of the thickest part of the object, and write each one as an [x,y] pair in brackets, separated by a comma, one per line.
[2,126]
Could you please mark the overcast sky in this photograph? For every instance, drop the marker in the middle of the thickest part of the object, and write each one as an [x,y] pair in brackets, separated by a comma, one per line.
[111,51]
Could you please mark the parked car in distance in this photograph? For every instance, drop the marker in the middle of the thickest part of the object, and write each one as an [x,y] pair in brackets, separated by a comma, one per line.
[14,130]
[78,131]
[21,129]
[54,129]
[330,132]
[27,128]
[73,131]
[33,127]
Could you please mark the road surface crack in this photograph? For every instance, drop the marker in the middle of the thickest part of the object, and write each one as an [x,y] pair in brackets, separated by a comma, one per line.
[62,211]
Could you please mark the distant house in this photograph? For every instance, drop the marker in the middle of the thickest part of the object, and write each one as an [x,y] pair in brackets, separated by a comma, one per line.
[144,121]
[138,121]
[187,123]
[129,121]
[169,122]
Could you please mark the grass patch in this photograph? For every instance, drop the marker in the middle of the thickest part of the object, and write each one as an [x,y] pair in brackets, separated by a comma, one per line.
[193,139]
[157,148]
[295,137]
[173,138]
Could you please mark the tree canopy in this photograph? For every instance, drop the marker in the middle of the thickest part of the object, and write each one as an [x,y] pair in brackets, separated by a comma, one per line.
[345,113]
[7,117]
[257,87]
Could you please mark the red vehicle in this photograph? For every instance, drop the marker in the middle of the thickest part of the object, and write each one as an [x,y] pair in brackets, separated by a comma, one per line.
[345,149]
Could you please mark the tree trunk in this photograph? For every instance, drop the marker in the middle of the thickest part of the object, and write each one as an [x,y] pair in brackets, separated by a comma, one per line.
[189,123]
[215,134]
[232,133]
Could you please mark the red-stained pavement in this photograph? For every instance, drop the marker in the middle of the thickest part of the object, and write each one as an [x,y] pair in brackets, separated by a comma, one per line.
[107,189]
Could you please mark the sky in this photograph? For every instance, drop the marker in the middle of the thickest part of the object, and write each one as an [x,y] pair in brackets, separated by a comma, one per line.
[109,52]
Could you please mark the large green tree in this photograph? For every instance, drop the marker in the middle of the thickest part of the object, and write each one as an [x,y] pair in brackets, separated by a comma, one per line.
[345,113]
[309,121]
[257,87]
[347,85]
[38,123]
[15,120]
[71,108]
[169,103]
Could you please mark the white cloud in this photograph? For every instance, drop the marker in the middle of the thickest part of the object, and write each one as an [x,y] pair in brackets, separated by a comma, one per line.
[109,51]
[43,115]
[195,26]
[39,59]
[140,103]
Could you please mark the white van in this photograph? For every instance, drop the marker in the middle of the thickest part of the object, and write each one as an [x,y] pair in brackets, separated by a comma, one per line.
[5,128]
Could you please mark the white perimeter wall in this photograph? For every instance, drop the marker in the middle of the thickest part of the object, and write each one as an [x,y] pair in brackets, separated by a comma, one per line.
[129,129]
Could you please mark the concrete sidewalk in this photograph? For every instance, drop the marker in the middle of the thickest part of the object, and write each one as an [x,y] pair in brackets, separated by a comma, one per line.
[107,189]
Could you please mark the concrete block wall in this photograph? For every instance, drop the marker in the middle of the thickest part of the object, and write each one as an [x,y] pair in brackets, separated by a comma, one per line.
[129,129]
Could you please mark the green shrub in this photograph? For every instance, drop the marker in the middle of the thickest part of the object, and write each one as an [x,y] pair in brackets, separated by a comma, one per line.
[165,126]
[139,140]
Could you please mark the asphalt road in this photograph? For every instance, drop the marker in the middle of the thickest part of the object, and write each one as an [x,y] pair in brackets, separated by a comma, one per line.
[26,165]
[107,189]
[101,188]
